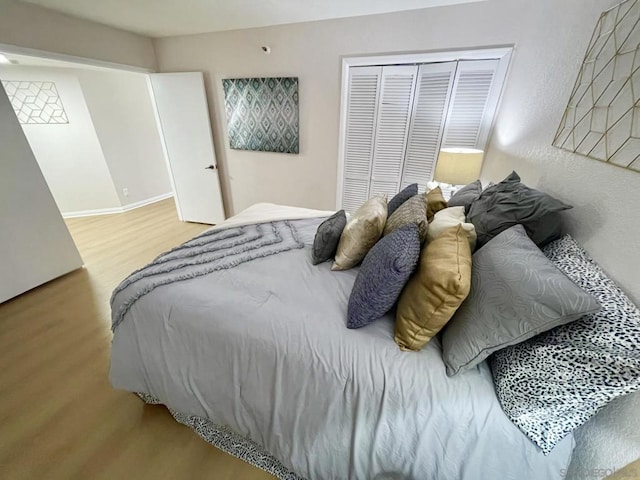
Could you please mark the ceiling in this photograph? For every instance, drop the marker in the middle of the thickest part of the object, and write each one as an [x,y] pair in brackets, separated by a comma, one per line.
[163,18]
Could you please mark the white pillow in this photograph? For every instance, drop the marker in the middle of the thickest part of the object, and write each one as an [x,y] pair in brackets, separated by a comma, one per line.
[451,217]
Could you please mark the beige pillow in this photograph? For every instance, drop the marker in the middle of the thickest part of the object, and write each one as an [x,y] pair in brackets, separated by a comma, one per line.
[450,217]
[435,202]
[413,210]
[436,290]
[362,231]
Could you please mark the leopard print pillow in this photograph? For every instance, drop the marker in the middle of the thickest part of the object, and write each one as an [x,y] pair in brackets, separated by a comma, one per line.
[555,382]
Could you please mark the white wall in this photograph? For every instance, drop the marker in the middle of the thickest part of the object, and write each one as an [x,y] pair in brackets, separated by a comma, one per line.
[69,155]
[31,26]
[35,245]
[124,118]
[550,39]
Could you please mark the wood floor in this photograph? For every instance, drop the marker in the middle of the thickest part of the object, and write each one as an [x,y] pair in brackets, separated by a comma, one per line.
[59,416]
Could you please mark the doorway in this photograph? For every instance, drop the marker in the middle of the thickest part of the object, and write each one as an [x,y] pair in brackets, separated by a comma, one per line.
[87,139]
[93,132]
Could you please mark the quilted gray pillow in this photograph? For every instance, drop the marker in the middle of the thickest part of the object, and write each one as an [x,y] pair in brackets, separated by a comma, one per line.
[516,293]
[327,237]
[384,272]
[508,203]
[401,197]
[553,383]
[466,196]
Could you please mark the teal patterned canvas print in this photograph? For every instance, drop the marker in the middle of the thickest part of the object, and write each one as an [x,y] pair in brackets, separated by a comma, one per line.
[262,113]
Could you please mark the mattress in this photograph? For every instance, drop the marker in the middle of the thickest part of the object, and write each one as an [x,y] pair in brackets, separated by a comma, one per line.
[262,348]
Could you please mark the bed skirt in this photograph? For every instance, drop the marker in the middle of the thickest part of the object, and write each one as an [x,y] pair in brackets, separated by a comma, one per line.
[229,441]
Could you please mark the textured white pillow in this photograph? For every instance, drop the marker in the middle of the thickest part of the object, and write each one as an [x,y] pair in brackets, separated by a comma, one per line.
[450,217]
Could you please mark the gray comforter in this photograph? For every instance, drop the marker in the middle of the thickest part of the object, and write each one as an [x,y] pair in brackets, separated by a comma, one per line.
[255,338]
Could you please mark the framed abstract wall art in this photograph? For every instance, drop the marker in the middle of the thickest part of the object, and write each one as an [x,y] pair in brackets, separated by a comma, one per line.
[262,114]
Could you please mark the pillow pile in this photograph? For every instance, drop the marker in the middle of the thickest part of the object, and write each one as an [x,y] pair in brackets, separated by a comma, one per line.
[556,355]
[388,264]
[553,383]
[361,232]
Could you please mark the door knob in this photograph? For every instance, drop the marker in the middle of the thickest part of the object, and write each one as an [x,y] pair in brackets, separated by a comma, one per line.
[211,167]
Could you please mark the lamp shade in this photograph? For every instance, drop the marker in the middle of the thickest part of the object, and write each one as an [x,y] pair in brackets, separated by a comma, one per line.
[458,166]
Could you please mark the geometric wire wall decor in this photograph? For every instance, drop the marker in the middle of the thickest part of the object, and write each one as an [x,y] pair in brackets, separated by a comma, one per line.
[36,102]
[262,113]
[602,118]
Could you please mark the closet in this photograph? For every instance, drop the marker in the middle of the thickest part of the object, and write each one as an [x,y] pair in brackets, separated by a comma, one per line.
[398,117]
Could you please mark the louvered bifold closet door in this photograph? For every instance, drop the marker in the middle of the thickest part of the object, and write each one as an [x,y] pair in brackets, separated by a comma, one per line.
[362,112]
[473,104]
[392,128]
[433,90]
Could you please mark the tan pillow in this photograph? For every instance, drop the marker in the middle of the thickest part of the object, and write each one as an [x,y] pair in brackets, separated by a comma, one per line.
[362,231]
[413,210]
[435,202]
[436,290]
[450,217]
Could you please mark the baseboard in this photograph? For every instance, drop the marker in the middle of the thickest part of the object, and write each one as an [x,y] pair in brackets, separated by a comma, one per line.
[148,201]
[124,208]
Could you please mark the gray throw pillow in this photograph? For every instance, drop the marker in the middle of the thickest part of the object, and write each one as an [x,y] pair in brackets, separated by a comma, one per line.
[516,293]
[327,237]
[401,197]
[508,203]
[466,196]
[553,383]
[382,276]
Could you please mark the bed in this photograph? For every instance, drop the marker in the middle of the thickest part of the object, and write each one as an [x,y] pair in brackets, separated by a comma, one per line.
[244,340]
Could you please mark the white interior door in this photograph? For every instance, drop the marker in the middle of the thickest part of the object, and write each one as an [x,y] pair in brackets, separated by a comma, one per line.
[183,117]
